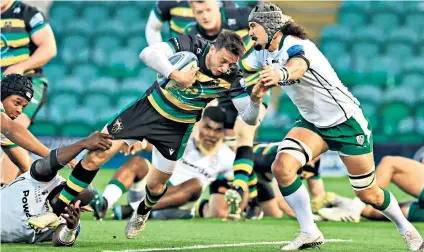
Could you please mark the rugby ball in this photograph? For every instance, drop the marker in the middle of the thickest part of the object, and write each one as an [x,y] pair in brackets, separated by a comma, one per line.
[183,61]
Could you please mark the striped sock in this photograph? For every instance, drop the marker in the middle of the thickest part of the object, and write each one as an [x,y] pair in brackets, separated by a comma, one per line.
[149,201]
[113,192]
[79,179]
[253,189]
[243,167]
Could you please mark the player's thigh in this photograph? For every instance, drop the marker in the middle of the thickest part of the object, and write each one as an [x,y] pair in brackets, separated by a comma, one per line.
[408,175]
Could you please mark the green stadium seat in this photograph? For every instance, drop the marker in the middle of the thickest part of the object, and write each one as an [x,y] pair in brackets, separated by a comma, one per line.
[363,6]
[415,20]
[72,84]
[287,109]
[95,14]
[335,33]
[413,80]
[111,26]
[44,128]
[360,70]
[400,94]
[43,113]
[128,15]
[126,98]
[419,110]
[62,103]
[123,63]
[392,113]
[404,35]
[370,49]
[62,13]
[384,71]
[136,43]
[399,50]
[76,129]
[79,27]
[86,71]
[352,18]
[147,75]
[370,111]
[75,48]
[86,114]
[136,86]
[103,45]
[370,34]
[97,101]
[367,93]
[397,7]
[385,20]
[407,132]
[55,72]
[342,65]
[109,85]
[333,48]
[271,133]
[413,65]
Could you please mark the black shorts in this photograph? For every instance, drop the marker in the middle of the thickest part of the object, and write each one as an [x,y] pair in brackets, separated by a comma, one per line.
[227,105]
[139,120]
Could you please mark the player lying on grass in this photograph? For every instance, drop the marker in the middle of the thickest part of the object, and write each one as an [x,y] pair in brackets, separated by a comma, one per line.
[165,118]
[406,173]
[205,159]
[330,119]
[26,216]
[16,92]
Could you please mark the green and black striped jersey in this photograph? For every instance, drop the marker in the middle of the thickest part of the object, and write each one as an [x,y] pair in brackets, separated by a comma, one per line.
[18,24]
[186,105]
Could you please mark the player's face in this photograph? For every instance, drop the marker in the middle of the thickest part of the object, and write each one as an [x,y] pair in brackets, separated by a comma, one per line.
[211,133]
[13,105]
[257,33]
[220,61]
[206,14]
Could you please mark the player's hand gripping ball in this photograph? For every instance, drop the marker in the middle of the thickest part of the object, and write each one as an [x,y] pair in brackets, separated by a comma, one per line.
[187,65]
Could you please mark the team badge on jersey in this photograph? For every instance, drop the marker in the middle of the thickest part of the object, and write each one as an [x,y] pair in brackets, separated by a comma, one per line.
[117,126]
[360,139]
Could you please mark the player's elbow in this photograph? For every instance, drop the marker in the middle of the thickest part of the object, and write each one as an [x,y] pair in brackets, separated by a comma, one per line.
[144,53]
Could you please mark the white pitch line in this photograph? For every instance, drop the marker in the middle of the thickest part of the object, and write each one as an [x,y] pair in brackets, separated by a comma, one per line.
[244,244]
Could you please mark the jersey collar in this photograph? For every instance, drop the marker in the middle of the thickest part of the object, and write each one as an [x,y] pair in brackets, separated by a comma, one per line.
[282,42]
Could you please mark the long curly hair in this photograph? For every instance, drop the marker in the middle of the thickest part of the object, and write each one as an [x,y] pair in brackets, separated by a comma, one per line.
[291,28]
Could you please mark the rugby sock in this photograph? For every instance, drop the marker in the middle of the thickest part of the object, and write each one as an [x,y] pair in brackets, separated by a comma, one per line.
[253,189]
[79,179]
[297,197]
[390,208]
[242,167]
[113,192]
[149,201]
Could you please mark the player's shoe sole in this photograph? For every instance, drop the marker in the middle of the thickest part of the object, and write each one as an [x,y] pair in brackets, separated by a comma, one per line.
[304,241]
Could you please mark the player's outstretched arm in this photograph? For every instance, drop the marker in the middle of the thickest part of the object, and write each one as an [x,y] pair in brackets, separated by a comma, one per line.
[96,140]
[293,70]
[22,137]
[153,27]
[66,235]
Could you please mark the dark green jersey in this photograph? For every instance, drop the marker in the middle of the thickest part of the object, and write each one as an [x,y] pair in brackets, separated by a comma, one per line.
[186,106]
[18,24]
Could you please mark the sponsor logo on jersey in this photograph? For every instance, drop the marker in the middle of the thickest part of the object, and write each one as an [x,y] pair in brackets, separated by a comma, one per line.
[25,203]
[288,82]
[360,139]
[199,51]
[231,21]
[197,168]
[117,126]
[36,20]
[17,10]
[171,151]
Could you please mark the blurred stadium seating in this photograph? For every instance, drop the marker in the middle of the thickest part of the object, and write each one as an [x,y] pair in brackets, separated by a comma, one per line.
[377,48]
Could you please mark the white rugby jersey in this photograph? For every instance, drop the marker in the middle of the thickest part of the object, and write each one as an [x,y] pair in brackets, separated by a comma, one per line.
[195,164]
[23,198]
[4,140]
[319,95]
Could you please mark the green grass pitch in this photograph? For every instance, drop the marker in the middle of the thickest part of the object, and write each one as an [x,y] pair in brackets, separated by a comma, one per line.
[183,235]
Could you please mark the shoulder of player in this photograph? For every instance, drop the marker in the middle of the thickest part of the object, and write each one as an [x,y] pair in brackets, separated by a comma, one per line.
[190,28]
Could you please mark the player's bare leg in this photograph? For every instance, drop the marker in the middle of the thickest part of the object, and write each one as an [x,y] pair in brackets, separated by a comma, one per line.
[155,190]
[135,168]
[299,146]
[362,178]
[270,208]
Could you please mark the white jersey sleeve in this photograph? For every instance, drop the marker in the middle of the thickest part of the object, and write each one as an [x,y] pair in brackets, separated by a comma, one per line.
[26,197]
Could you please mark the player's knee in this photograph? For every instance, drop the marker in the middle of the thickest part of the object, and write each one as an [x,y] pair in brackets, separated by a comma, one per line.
[92,161]
[282,168]
[155,187]
[387,161]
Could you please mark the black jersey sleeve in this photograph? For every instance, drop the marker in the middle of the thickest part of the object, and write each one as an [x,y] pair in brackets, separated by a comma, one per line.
[33,18]
[237,18]
[162,9]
